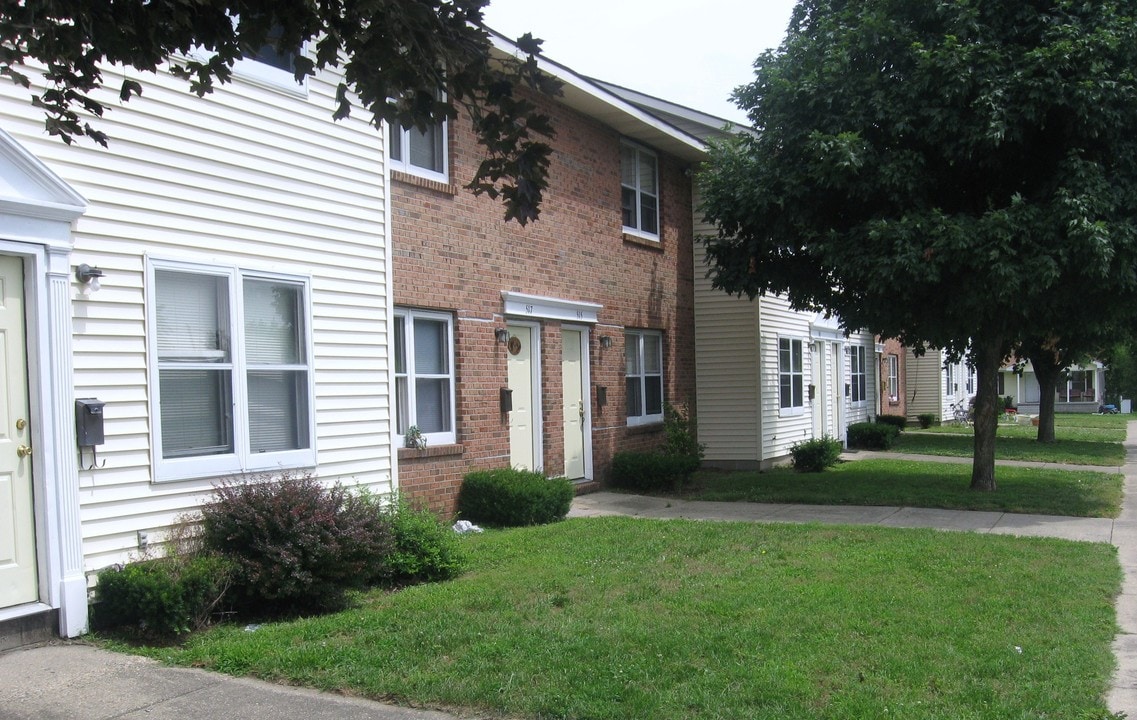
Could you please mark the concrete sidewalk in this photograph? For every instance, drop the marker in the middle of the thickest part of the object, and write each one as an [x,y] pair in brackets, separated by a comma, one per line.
[73,681]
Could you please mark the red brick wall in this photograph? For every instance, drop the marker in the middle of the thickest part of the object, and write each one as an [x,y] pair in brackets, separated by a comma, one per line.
[453,252]
[887,405]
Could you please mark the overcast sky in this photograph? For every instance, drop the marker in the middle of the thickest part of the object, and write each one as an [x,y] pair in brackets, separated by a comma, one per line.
[692,53]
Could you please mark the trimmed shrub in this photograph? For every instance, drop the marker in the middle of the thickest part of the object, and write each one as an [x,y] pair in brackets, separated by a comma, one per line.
[926,420]
[815,455]
[161,598]
[509,497]
[425,548]
[295,544]
[897,421]
[871,436]
[650,472]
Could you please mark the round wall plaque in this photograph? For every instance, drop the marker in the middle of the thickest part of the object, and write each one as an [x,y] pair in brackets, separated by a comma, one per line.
[514,345]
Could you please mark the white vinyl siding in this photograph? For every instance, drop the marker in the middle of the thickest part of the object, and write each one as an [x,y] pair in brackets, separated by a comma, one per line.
[643,356]
[246,177]
[639,190]
[424,374]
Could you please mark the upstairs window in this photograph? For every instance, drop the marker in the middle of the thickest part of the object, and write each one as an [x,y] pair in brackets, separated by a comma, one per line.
[791,377]
[639,190]
[643,376]
[270,67]
[420,152]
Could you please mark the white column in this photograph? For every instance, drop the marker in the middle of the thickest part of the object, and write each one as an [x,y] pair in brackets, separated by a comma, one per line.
[64,475]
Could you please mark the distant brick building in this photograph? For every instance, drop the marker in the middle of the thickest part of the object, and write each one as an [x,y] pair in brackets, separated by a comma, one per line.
[892,371]
[550,346]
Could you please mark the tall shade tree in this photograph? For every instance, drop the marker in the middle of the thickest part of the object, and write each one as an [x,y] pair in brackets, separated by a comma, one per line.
[933,171]
[412,62]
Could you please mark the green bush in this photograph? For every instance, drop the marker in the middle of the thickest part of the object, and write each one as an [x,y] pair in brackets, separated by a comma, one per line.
[926,420]
[897,421]
[815,455]
[651,472]
[295,544]
[161,598]
[509,497]
[871,436]
[679,430]
[425,548]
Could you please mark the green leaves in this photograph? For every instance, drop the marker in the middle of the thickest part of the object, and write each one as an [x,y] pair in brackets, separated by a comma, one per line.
[403,49]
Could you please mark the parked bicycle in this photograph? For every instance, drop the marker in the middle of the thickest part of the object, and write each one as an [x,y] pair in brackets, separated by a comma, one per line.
[961,414]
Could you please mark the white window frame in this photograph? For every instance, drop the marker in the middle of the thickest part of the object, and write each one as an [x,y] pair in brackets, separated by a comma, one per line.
[403,138]
[260,73]
[791,409]
[949,380]
[893,378]
[407,316]
[643,418]
[637,229]
[858,375]
[242,459]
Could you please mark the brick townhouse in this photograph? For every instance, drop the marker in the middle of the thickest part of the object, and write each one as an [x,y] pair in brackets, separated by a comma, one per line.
[551,346]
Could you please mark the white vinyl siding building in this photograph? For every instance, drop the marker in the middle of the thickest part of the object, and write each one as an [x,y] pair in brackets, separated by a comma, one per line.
[250,196]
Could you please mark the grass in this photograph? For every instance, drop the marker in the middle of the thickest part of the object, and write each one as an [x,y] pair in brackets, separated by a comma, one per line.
[1076,452]
[618,618]
[920,484]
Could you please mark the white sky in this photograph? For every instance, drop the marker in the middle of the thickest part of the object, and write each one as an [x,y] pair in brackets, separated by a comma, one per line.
[690,52]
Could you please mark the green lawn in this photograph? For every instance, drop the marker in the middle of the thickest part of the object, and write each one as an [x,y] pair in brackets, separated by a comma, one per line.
[920,484]
[1067,426]
[620,618]
[1077,452]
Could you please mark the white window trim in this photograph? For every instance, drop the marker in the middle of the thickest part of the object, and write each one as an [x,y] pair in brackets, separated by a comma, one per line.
[258,73]
[407,315]
[792,410]
[637,420]
[858,359]
[404,165]
[241,460]
[636,231]
[893,378]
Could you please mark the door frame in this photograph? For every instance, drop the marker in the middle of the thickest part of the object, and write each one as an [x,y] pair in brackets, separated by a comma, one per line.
[585,390]
[538,390]
[38,211]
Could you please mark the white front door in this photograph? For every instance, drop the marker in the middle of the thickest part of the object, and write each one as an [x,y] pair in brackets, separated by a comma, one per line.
[17,516]
[524,418]
[572,375]
[818,402]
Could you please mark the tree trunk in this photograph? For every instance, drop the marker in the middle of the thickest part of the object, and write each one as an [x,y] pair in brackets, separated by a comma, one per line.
[1047,370]
[988,358]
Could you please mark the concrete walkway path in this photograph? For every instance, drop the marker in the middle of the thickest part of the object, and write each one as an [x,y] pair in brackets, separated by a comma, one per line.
[73,681]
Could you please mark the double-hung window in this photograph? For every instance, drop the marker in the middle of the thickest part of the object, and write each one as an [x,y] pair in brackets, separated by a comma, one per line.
[791,377]
[419,152]
[893,378]
[424,374]
[232,358]
[643,377]
[639,190]
[270,67]
[858,374]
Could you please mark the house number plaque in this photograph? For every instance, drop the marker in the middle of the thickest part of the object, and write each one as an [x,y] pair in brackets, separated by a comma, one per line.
[514,345]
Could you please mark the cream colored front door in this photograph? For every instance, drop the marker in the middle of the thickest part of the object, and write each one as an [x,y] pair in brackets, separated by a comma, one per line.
[572,377]
[523,418]
[18,582]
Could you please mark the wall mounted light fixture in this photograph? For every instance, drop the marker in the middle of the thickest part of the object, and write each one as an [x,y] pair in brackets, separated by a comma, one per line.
[501,335]
[605,341]
[88,277]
